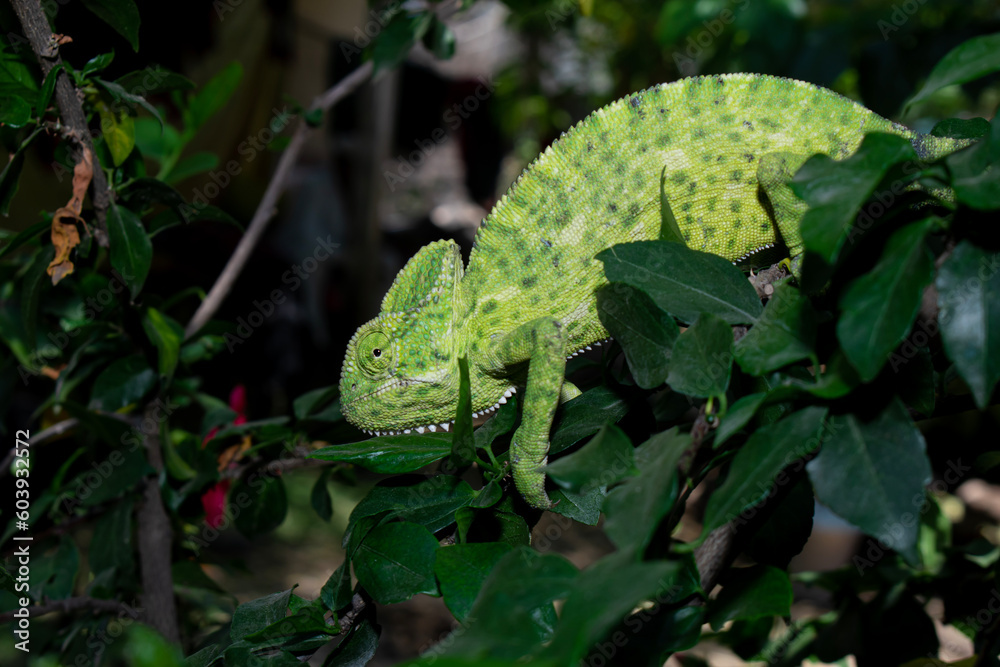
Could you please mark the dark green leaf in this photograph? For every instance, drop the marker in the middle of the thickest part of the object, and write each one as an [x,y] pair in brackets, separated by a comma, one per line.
[645,332]
[131,249]
[702,359]
[112,476]
[439,39]
[122,383]
[320,498]
[500,423]
[880,306]
[461,569]
[394,43]
[145,647]
[968,286]
[153,80]
[682,281]
[750,593]
[915,377]
[166,334]
[870,471]
[976,171]
[25,236]
[836,189]
[192,165]
[14,111]
[961,128]
[263,503]
[430,503]
[213,96]
[358,648]
[54,576]
[591,611]
[336,592]
[583,507]
[634,509]
[111,547]
[969,60]
[606,459]
[98,63]
[252,616]
[396,561]
[739,415]
[584,416]
[463,443]
[391,454]
[31,289]
[785,333]
[787,528]
[758,467]
[122,15]
[312,401]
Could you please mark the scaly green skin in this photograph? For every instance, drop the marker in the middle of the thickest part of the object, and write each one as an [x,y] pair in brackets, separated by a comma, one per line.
[527,300]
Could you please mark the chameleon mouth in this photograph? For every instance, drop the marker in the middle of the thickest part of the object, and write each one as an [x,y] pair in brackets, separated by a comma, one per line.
[443,426]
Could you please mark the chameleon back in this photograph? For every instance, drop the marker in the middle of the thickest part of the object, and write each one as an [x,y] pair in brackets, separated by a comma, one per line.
[599,185]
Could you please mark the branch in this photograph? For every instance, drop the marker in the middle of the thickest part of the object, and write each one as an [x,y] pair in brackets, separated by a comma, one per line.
[266,208]
[36,28]
[155,544]
[73,604]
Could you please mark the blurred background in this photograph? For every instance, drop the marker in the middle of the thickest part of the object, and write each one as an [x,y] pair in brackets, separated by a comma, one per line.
[422,152]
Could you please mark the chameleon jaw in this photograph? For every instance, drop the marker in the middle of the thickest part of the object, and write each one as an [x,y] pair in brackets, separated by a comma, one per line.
[443,426]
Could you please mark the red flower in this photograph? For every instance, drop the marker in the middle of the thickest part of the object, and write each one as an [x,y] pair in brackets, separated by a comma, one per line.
[213,501]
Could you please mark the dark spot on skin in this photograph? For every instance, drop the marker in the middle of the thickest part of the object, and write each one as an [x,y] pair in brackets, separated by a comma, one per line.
[663,111]
[720,158]
[765,227]
[620,168]
[555,262]
[665,140]
[687,236]
[689,219]
[547,243]
[692,186]
[747,124]
[698,133]
[717,102]
[734,206]
[527,260]
[686,206]
[732,242]
[735,175]
[737,223]
[709,232]
[749,157]
[679,177]
[719,80]
[535,299]
[503,263]
[590,146]
[635,101]
[612,207]
[633,210]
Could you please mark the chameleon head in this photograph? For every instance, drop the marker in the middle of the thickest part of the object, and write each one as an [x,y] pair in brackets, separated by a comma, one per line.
[401,368]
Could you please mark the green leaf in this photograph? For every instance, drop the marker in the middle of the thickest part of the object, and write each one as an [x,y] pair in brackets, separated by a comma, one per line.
[785,333]
[14,111]
[961,128]
[836,189]
[398,37]
[390,454]
[252,616]
[439,39]
[462,569]
[11,175]
[739,415]
[312,401]
[126,102]
[513,612]
[606,459]
[48,86]
[17,69]
[122,383]
[669,229]
[396,561]
[702,358]
[98,63]
[192,165]
[976,171]
[645,332]
[358,648]
[122,15]
[262,500]
[145,647]
[336,592]
[54,576]
[758,467]
[634,509]
[430,503]
[213,96]
[880,306]
[682,281]
[969,60]
[34,282]
[131,249]
[166,334]
[583,507]
[870,471]
[968,285]
[153,80]
[320,498]
[463,443]
[584,416]
[25,236]
[750,593]
[591,610]
[111,547]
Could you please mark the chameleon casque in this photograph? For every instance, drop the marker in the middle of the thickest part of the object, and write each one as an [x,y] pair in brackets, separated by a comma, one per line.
[527,301]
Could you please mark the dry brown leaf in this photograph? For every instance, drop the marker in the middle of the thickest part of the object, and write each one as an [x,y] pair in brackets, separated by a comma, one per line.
[62,39]
[65,236]
[52,373]
[233,453]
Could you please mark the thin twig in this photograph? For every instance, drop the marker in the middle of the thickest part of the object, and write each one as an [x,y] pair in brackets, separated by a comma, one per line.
[36,28]
[73,604]
[266,209]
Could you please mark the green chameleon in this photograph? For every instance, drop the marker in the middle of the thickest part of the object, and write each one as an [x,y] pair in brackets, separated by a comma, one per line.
[527,301]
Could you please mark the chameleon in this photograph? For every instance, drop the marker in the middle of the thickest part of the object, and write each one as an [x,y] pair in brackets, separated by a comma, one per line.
[526,301]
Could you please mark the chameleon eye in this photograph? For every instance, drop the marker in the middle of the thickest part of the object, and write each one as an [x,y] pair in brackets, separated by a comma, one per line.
[375,352]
